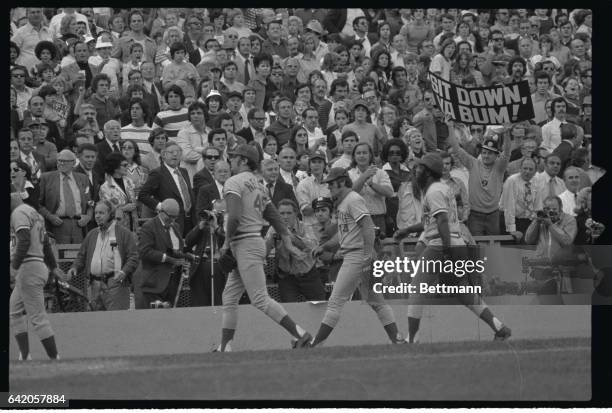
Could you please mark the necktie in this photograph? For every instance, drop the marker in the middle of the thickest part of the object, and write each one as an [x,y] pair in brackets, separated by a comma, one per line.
[528,197]
[247,77]
[270,186]
[69,204]
[184,191]
[116,147]
[551,187]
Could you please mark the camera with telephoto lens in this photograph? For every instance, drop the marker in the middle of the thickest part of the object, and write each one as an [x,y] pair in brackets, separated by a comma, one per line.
[542,214]
[160,304]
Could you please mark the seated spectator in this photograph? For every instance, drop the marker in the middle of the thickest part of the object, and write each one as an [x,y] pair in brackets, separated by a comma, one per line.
[108,258]
[296,277]
[65,200]
[372,183]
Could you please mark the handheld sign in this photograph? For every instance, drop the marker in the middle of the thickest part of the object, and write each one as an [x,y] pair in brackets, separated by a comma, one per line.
[61,109]
[493,105]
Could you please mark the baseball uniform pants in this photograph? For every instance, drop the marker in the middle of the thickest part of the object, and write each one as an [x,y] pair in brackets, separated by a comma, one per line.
[28,300]
[349,278]
[250,254]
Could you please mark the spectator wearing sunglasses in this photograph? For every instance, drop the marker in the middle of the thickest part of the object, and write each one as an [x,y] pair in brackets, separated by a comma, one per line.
[204,176]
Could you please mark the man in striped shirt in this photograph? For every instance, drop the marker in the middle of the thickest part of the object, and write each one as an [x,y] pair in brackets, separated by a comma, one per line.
[176,117]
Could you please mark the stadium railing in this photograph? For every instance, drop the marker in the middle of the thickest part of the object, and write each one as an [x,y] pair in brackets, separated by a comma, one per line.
[390,247]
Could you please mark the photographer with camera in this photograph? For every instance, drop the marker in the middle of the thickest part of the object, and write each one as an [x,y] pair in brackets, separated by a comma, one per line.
[160,250]
[108,257]
[553,231]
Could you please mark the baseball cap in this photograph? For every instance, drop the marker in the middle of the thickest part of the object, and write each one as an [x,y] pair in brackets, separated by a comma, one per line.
[248,151]
[321,202]
[433,161]
[336,173]
[102,44]
[315,26]
[360,102]
[234,94]
[317,155]
[34,121]
[212,93]
[247,87]
[490,145]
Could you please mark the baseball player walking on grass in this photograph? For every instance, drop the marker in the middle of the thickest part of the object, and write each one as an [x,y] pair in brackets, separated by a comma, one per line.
[248,209]
[442,238]
[31,250]
[356,239]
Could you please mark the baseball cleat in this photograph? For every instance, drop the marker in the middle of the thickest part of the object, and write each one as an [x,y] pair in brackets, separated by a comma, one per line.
[228,349]
[302,342]
[502,334]
[21,357]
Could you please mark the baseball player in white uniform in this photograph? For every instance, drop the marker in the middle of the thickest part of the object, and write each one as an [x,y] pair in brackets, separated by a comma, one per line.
[356,239]
[248,209]
[442,238]
[30,251]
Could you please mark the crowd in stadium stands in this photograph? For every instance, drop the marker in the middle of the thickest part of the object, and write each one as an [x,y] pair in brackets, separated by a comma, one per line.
[117,110]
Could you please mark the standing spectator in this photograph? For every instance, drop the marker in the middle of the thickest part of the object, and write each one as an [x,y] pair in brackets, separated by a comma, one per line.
[29,35]
[23,93]
[159,248]
[134,35]
[152,86]
[57,20]
[287,160]
[571,139]
[134,171]
[348,141]
[541,96]
[42,146]
[447,22]
[204,176]
[138,129]
[425,121]
[87,153]
[457,187]
[21,180]
[263,65]
[569,197]
[311,188]
[372,183]
[193,139]
[255,130]
[274,44]
[118,189]
[157,140]
[79,75]
[107,258]
[176,117]
[277,189]
[36,162]
[179,69]
[367,132]
[65,200]
[296,277]
[170,181]
[551,132]
[485,182]
[520,200]
[112,134]
[283,125]
[107,107]
[394,155]
[528,149]
[442,63]
[417,30]
[548,182]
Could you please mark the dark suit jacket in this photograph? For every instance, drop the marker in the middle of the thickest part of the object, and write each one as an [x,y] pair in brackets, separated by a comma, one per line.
[49,199]
[159,186]
[126,242]
[154,242]
[94,188]
[201,178]
[206,196]
[335,20]
[246,134]
[564,151]
[103,150]
[282,190]
[40,160]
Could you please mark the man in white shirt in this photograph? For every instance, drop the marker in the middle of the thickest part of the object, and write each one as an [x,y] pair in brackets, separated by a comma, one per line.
[360,26]
[287,160]
[348,141]
[547,183]
[29,35]
[351,15]
[551,132]
[570,195]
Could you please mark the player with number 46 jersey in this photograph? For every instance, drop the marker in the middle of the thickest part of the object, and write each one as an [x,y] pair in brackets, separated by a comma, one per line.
[248,209]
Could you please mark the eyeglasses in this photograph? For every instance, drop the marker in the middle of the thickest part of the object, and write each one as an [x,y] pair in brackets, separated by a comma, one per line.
[65,160]
[17,75]
[232,37]
[212,157]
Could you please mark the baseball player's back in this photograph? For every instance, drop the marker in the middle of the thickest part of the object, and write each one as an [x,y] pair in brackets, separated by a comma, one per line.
[350,210]
[26,217]
[252,193]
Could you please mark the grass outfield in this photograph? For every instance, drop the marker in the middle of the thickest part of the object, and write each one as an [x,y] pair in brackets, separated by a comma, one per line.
[544,369]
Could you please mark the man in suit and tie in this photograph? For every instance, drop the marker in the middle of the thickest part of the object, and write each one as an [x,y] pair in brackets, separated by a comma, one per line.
[80,73]
[25,139]
[277,188]
[244,61]
[170,181]
[65,200]
[213,191]
[159,248]
[204,176]
[112,134]
[151,86]
[87,154]
[571,139]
